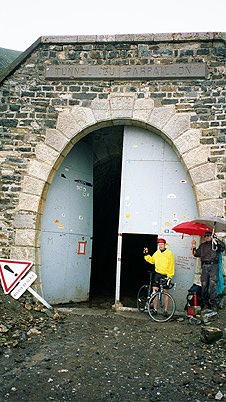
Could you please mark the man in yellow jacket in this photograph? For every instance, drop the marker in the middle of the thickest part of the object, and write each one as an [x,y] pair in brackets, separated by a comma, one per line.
[163,259]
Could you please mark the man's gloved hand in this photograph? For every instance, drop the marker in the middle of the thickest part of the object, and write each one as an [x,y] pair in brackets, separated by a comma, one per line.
[218,242]
[168,281]
[215,240]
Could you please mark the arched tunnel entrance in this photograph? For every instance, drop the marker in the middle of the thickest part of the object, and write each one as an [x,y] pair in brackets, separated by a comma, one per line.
[115,190]
[80,226]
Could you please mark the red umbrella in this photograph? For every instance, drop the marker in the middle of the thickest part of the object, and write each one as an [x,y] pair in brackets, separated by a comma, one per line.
[192,228]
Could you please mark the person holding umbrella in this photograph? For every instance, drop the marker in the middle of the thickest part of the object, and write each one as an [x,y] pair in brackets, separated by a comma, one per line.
[209,253]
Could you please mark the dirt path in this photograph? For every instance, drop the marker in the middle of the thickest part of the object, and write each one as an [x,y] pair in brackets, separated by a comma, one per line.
[96,354]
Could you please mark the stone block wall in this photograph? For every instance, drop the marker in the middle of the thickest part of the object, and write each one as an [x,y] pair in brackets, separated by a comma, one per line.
[39,120]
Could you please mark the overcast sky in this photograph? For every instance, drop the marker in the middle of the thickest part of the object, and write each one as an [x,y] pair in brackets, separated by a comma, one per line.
[22,22]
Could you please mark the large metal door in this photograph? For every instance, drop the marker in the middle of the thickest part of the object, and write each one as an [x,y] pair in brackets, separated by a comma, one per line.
[155,195]
[67,229]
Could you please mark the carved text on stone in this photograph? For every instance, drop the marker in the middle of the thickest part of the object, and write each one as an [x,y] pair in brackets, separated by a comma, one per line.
[155,71]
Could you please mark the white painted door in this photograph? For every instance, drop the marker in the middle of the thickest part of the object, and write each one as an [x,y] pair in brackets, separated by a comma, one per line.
[67,229]
[156,194]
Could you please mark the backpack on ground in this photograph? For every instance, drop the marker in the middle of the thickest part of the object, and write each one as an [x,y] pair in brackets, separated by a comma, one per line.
[190,296]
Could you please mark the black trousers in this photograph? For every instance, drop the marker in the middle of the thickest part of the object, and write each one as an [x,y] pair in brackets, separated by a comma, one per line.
[209,278]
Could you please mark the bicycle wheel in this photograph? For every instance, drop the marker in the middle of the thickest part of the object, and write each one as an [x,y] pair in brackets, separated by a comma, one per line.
[161,299]
[142,298]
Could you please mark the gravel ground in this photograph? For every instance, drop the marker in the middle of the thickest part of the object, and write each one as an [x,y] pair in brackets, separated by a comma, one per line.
[94,354]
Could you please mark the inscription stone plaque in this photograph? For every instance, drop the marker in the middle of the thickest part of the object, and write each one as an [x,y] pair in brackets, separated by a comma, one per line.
[135,72]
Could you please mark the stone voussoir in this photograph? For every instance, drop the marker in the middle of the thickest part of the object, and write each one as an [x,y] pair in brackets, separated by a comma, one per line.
[177,125]
[203,173]
[25,237]
[196,157]
[214,207]
[206,190]
[188,140]
[55,139]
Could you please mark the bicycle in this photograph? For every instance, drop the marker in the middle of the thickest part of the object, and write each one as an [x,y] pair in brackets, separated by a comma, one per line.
[146,298]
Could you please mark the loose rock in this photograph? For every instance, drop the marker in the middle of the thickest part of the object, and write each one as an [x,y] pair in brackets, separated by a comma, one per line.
[211,334]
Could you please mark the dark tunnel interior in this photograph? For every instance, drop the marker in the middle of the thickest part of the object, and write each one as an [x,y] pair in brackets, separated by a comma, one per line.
[107,149]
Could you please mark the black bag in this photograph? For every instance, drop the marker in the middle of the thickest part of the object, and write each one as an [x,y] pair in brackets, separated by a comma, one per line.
[190,296]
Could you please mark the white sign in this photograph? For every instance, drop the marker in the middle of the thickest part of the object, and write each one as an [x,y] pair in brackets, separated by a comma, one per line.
[11,272]
[23,285]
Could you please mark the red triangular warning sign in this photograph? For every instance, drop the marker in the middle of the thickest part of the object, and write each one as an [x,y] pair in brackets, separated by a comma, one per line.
[11,272]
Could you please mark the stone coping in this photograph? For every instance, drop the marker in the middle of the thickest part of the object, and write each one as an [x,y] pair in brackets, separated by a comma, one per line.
[142,37]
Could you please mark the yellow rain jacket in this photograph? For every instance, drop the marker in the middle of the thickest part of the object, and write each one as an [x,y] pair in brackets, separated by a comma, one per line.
[164,262]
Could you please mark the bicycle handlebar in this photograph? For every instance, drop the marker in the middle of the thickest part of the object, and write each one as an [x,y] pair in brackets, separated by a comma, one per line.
[164,282]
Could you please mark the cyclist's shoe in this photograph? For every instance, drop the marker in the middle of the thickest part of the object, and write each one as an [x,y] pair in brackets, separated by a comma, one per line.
[165,314]
[154,312]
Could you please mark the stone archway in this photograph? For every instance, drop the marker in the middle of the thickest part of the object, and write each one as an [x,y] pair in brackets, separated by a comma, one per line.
[76,122]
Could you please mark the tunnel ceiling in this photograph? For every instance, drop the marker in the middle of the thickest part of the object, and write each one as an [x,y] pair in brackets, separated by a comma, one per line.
[107,158]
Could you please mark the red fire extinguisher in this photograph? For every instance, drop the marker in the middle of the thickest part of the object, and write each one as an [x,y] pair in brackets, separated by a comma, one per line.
[195,300]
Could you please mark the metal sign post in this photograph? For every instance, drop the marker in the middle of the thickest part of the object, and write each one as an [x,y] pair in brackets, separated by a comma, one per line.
[35,294]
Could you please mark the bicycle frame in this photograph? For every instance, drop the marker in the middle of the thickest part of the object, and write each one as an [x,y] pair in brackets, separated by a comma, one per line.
[149,300]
